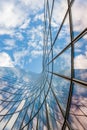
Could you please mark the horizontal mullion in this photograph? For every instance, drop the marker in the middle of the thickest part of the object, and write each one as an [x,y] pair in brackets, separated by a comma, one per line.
[73,42]
[73,79]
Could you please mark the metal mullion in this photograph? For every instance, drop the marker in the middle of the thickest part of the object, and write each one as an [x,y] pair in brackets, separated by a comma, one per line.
[50,17]
[62,112]
[14,88]
[25,115]
[47,117]
[72,68]
[49,23]
[8,114]
[19,115]
[31,114]
[50,26]
[38,112]
[52,7]
[21,99]
[17,119]
[29,119]
[57,100]
[48,33]
[6,100]
[45,17]
[23,108]
[61,26]
[73,42]
[37,122]
[80,82]
[68,78]
[39,107]
[38,115]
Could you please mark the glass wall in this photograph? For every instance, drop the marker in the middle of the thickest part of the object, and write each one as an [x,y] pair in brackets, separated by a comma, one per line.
[55,99]
[68,66]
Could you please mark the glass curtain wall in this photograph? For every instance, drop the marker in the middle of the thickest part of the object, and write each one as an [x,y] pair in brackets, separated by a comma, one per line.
[56,99]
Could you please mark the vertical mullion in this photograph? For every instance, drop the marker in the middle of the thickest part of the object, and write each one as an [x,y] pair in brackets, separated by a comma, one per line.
[72,66]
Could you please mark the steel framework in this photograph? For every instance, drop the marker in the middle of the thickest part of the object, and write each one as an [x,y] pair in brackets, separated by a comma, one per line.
[56,99]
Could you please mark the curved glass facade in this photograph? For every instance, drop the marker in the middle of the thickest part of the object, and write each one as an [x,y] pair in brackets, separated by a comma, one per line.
[55,99]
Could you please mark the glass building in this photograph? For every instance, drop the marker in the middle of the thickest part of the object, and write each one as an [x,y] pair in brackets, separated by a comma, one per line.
[55,99]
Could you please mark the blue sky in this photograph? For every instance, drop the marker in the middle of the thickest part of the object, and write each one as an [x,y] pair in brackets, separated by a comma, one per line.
[21,32]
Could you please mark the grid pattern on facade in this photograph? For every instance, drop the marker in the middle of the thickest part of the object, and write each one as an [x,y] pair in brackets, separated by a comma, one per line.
[56,99]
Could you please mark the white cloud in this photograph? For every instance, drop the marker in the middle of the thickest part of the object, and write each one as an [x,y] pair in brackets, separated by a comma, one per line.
[53,24]
[79,19]
[39,17]
[19,57]
[80,62]
[6,31]
[36,40]
[19,36]
[11,15]
[36,53]
[5,60]
[34,45]
[25,24]
[59,11]
[34,5]
[15,14]
[78,9]
[9,42]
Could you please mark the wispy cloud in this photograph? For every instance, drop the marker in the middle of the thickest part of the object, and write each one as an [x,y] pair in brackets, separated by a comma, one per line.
[39,17]
[36,53]
[33,6]
[9,42]
[79,20]
[25,24]
[19,57]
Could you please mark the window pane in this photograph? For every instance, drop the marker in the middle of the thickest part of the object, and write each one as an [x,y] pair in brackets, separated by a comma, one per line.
[62,64]
[78,110]
[59,10]
[63,38]
[80,59]
[61,89]
[79,16]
